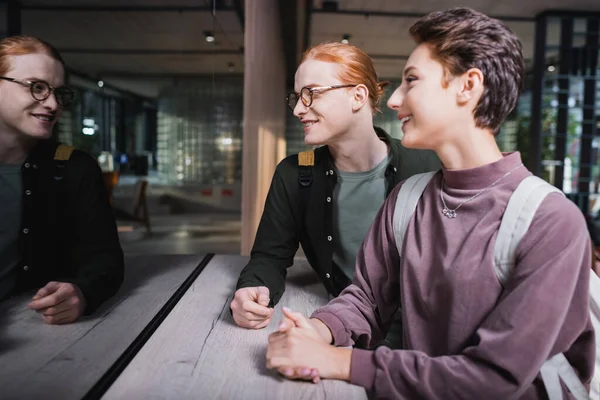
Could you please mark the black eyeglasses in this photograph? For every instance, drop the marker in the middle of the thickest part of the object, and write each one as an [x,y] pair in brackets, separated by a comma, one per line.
[306,95]
[41,90]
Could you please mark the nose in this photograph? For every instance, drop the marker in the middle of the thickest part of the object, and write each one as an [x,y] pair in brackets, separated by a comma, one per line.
[300,109]
[396,100]
[50,102]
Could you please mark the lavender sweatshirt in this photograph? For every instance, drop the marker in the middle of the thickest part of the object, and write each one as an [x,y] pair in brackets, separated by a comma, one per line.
[465,337]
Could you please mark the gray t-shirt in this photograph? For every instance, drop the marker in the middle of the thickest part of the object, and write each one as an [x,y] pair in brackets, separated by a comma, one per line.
[10,215]
[356,200]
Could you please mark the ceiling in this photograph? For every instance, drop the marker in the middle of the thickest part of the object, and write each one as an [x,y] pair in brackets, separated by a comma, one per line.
[141,45]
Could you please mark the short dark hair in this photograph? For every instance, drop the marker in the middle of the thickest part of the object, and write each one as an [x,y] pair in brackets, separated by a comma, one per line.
[461,39]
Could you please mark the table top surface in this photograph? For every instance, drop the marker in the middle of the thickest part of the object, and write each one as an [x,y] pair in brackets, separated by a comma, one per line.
[65,361]
[194,351]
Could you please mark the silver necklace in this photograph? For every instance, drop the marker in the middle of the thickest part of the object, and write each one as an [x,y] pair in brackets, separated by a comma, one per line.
[451,213]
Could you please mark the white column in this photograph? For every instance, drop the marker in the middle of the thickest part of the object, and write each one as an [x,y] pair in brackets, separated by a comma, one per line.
[264,111]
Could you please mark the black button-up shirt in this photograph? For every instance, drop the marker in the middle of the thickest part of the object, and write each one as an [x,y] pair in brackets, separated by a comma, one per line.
[287,222]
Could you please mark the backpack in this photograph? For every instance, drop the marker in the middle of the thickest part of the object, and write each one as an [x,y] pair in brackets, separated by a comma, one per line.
[518,215]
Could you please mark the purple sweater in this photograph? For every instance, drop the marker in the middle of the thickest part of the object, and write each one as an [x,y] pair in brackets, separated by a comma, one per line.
[465,337]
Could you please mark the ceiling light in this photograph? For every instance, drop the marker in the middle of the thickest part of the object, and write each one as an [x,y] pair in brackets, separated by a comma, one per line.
[100,83]
[346,38]
[551,68]
[209,36]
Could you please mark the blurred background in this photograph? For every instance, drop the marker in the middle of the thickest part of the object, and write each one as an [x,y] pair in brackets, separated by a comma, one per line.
[182,102]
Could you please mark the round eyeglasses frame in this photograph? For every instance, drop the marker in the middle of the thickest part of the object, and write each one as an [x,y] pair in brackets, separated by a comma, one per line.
[41,90]
[306,95]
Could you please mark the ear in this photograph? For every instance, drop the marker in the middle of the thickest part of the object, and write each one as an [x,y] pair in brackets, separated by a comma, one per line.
[471,85]
[361,97]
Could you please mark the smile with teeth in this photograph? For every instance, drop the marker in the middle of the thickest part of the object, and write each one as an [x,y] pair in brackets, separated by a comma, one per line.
[406,119]
[309,123]
[45,118]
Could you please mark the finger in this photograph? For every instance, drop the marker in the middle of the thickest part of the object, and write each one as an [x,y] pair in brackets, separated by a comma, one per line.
[50,300]
[263,296]
[57,309]
[299,319]
[255,308]
[276,337]
[253,318]
[50,288]
[286,325]
[263,324]
[60,318]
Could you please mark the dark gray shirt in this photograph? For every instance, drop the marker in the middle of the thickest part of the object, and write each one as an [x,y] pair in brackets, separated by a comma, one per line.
[10,223]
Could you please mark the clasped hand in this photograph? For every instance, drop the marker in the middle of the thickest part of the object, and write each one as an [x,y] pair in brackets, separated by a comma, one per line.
[300,349]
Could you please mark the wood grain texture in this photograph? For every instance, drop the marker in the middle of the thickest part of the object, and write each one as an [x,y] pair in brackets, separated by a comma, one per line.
[199,353]
[40,361]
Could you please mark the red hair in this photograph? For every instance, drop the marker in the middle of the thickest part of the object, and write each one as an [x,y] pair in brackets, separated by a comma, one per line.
[21,45]
[357,67]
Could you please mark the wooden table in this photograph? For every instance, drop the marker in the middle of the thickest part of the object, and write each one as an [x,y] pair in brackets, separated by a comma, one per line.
[40,361]
[199,353]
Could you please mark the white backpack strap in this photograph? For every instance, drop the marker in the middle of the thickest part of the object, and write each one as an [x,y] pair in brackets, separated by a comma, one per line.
[519,213]
[406,204]
[516,220]
[595,314]
[558,366]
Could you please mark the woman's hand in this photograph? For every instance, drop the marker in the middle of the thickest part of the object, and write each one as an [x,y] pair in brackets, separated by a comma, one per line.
[299,350]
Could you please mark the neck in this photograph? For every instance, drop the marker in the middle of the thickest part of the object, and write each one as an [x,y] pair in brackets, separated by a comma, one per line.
[474,148]
[359,149]
[14,148]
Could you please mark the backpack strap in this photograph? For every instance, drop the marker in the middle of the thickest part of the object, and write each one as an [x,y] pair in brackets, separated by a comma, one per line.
[517,218]
[306,161]
[61,156]
[519,213]
[406,203]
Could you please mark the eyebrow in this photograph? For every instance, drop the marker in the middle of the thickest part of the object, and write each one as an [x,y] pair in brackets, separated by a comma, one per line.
[407,70]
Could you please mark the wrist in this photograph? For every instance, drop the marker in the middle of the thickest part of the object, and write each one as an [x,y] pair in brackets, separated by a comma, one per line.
[343,360]
[322,329]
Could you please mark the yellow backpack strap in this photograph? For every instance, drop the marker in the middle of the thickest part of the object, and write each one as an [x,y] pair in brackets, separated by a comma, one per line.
[306,160]
[63,152]
[61,156]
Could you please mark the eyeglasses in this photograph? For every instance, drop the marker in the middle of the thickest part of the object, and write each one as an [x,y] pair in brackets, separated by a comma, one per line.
[41,90]
[306,95]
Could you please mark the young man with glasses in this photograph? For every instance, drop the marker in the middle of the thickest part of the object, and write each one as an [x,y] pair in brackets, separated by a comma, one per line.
[328,202]
[58,234]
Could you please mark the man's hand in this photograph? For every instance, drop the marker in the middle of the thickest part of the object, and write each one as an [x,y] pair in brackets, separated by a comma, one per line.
[58,303]
[302,352]
[249,307]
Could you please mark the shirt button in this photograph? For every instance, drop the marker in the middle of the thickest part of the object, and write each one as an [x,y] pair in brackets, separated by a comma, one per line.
[330,172]
[34,166]
[26,268]
[329,238]
[395,169]
[26,231]
[329,199]
[28,192]
[327,275]
[26,165]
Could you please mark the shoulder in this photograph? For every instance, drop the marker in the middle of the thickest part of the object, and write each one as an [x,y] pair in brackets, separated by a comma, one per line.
[82,159]
[557,224]
[290,163]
